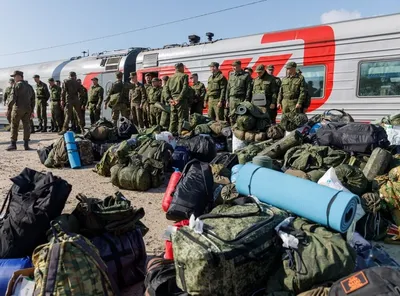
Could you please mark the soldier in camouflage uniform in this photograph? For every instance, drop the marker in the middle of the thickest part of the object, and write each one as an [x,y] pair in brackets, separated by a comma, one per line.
[83,97]
[199,93]
[292,94]
[216,92]
[265,84]
[176,92]
[250,72]
[238,90]
[33,99]
[120,90]
[155,96]
[145,107]
[274,112]
[137,97]
[70,93]
[96,94]
[55,107]
[164,120]
[307,101]
[21,108]
[8,90]
[42,96]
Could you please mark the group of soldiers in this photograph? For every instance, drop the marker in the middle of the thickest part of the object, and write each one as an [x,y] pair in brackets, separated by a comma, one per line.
[166,102]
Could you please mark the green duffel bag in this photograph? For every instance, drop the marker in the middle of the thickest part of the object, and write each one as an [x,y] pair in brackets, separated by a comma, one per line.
[321,256]
[235,253]
[246,123]
[131,177]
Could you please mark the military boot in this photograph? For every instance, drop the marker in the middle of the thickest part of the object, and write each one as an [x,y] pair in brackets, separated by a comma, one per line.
[40,128]
[52,128]
[44,129]
[26,145]
[12,147]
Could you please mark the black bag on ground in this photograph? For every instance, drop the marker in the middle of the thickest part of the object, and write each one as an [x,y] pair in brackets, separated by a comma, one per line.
[200,147]
[32,202]
[227,159]
[342,117]
[126,128]
[353,137]
[44,153]
[378,280]
[125,256]
[193,193]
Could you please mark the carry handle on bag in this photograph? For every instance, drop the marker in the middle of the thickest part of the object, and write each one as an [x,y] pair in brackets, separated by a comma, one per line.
[344,115]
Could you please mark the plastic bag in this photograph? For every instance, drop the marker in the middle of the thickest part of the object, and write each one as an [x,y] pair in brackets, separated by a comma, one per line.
[167,137]
[331,180]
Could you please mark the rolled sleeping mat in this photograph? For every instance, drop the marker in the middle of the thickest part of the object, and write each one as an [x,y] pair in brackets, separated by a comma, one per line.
[329,207]
[241,110]
[234,172]
[72,150]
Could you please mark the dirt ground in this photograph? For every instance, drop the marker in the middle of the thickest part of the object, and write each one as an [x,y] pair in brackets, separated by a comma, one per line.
[89,183]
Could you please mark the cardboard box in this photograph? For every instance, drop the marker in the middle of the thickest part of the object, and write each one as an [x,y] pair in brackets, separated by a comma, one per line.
[23,272]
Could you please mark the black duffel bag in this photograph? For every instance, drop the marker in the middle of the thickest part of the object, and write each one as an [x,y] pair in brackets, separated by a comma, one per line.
[193,193]
[342,117]
[200,147]
[32,202]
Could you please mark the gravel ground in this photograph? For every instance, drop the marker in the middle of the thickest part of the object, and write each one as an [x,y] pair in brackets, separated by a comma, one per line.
[89,183]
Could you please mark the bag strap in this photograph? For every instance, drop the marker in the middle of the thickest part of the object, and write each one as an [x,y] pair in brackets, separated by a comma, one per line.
[7,200]
[204,167]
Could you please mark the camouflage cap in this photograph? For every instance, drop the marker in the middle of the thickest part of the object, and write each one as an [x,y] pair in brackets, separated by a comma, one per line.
[132,74]
[260,68]
[214,64]
[36,76]
[291,65]
[147,74]
[72,74]
[178,65]
[270,67]
[118,74]
[165,78]
[95,78]
[155,79]
[51,79]
[11,80]
[16,72]
[237,63]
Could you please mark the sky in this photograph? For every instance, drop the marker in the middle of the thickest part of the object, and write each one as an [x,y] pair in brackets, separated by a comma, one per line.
[30,25]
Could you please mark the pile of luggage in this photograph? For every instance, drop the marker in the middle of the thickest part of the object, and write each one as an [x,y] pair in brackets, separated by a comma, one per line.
[98,249]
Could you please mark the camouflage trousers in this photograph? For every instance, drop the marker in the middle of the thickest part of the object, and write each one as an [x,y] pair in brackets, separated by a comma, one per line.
[164,119]
[70,107]
[179,113]
[75,120]
[197,107]
[215,112]
[41,111]
[137,115]
[57,115]
[117,110]
[155,115]
[146,114]
[94,113]
[18,115]
[289,106]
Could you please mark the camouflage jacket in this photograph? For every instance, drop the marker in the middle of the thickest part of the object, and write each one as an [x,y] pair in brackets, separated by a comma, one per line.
[199,92]
[70,90]
[154,95]
[239,85]
[55,93]
[22,96]
[178,86]
[119,87]
[266,85]
[7,94]
[96,94]
[42,92]
[137,93]
[292,88]
[216,88]
[83,96]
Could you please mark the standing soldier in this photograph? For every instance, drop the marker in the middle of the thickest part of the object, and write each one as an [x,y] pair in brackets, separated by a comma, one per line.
[307,92]
[70,101]
[165,116]
[238,90]
[33,99]
[96,94]
[155,96]
[176,92]
[216,92]
[274,112]
[8,90]
[83,97]
[137,97]
[199,95]
[55,107]
[145,107]
[264,86]
[292,92]
[249,71]
[42,96]
[21,108]
[118,99]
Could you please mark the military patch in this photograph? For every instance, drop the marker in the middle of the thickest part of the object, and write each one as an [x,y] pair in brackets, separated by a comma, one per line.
[354,283]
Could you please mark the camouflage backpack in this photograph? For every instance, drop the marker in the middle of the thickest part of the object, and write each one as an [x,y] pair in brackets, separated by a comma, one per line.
[85,151]
[235,253]
[102,130]
[157,150]
[70,265]
[58,156]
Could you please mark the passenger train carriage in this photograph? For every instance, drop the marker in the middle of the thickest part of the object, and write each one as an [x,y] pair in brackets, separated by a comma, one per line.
[352,65]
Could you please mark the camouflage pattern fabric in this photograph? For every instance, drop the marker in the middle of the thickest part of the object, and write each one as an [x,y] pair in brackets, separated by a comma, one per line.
[390,190]
[228,194]
[202,129]
[221,174]
[275,132]
[395,161]
[247,154]
[117,152]
[297,173]
[299,271]
[231,242]
[315,175]
[157,150]
[58,156]
[196,119]
[293,120]
[308,157]
[251,109]
[279,148]
[246,123]
[70,265]
[217,127]
[85,151]
[352,178]
[377,163]
[371,202]
[238,133]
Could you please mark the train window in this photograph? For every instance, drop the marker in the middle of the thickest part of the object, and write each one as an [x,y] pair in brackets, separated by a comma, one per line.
[315,80]
[112,64]
[379,79]
[150,60]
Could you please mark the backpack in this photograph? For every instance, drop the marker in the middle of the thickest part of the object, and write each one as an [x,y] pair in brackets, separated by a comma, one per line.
[193,193]
[161,278]
[235,253]
[44,153]
[353,137]
[227,159]
[103,130]
[180,157]
[85,151]
[32,202]
[70,265]
[200,147]
[377,281]
[299,272]
[125,128]
[124,255]
[58,156]
[157,150]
